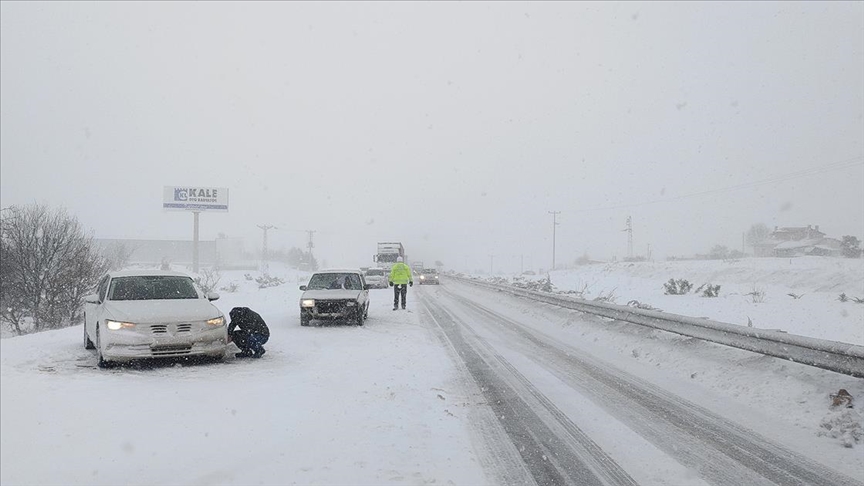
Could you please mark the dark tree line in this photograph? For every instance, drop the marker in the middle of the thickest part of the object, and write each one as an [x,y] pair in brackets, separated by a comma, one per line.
[47,266]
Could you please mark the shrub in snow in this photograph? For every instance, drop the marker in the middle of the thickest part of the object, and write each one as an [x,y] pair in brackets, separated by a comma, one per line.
[610,297]
[208,280]
[230,288]
[844,424]
[544,285]
[708,290]
[711,291]
[268,281]
[845,298]
[677,287]
[757,295]
[850,247]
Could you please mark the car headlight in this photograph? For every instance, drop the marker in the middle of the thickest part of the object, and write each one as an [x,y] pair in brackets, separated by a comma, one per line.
[307,303]
[217,321]
[117,325]
[422,277]
[436,277]
[351,303]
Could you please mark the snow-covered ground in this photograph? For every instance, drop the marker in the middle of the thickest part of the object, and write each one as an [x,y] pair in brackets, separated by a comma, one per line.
[818,283]
[336,404]
[385,403]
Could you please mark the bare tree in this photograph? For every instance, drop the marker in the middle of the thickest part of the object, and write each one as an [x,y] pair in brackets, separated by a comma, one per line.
[117,254]
[47,266]
[757,233]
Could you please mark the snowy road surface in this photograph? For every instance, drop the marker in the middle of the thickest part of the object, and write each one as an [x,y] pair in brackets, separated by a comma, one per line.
[552,444]
[466,387]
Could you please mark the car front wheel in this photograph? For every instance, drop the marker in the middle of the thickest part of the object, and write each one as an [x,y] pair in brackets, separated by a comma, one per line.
[102,362]
[88,344]
[304,320]
[359,318]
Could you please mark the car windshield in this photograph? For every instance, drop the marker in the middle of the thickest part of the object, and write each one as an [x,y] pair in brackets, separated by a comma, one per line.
[334,281]
[375,273]
[156,287]
[430,271]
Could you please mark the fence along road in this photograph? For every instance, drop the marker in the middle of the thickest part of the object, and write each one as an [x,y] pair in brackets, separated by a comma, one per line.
[829,355]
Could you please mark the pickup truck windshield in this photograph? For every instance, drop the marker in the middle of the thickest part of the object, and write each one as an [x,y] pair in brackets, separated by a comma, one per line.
[334,281]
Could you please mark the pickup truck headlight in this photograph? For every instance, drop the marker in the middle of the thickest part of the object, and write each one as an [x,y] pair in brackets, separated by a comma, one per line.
[422,277]
[216,321]
[307,303]
[117,325]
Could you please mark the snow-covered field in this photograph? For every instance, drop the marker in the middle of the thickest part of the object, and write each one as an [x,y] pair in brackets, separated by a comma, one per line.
[385,403]
[818,283]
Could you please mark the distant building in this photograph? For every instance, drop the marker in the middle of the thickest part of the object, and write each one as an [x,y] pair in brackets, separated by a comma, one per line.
[223,252]
[797,241]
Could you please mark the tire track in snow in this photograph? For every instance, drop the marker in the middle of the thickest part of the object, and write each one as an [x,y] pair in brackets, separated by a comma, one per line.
[554,450]
[722,451]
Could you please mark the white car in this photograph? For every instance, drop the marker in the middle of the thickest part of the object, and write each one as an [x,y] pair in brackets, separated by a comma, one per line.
[152,314]
[377,278]
[335,295]
[429,276]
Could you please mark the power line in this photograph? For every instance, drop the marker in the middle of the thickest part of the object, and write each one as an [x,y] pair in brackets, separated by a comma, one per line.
[845,164]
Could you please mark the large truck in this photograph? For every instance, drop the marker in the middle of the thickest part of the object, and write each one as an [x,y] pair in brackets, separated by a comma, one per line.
[387,254]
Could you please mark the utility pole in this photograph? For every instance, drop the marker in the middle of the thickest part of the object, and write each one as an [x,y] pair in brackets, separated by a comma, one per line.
[554,224]
[629,230]
[309,246]
[265,267]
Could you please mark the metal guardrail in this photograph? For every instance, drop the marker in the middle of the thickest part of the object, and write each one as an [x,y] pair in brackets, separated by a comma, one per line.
[830,355]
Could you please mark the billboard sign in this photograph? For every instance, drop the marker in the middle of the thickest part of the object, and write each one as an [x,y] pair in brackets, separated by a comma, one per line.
[194,198]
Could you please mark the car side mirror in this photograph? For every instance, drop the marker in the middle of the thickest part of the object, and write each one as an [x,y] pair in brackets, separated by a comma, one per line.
[302,287]
[211,296]
[91,299]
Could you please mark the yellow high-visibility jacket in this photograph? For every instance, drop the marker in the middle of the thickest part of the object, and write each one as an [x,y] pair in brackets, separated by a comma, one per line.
[400,274]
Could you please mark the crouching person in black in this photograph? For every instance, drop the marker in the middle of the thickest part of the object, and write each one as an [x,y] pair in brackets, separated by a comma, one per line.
[248,331]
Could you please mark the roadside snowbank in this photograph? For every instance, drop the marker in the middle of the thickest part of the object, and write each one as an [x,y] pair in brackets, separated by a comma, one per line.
[814,311]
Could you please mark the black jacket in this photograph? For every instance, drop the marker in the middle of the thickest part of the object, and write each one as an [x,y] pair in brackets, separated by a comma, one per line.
[247,320]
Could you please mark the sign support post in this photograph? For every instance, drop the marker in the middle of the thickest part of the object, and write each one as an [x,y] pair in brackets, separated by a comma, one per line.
[195,199]
[195,243]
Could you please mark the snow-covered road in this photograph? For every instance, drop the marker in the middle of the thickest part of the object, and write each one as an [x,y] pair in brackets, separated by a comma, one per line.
[516,366]
[468,386]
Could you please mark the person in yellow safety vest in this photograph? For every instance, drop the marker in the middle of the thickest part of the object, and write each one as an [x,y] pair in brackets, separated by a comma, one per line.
[400,279]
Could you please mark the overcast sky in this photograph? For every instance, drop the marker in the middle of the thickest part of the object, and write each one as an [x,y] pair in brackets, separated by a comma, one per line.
[452,127]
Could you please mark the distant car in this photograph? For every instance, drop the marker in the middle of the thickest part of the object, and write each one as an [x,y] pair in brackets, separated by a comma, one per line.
[429,276]
[152,314]
[335,295]
[377,278]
